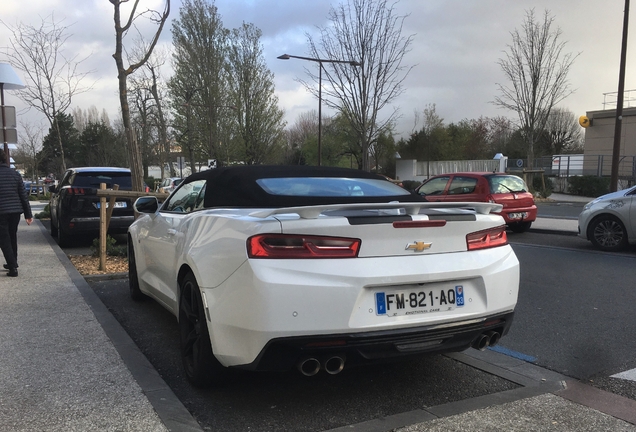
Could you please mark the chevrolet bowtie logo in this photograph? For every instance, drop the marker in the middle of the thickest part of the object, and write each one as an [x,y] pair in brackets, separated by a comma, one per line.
[418,246]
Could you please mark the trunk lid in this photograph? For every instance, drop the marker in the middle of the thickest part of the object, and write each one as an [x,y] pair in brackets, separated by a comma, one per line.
[398,229]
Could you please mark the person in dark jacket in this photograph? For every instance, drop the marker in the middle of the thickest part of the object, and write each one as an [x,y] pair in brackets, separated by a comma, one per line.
[13,202]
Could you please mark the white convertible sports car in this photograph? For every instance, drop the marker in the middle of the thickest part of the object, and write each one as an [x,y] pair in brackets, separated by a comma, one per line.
[271,268]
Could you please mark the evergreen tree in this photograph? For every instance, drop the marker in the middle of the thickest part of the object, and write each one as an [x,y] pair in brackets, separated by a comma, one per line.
[100,147]
[198,87]
[259,119]
[53,157]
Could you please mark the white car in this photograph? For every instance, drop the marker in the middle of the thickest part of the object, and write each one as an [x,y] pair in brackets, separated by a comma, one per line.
[609,221]
[169,184]
[272,268]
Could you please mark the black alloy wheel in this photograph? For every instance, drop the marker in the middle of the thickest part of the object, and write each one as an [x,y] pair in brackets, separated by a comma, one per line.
[201,367]
[607,233]
[133,280]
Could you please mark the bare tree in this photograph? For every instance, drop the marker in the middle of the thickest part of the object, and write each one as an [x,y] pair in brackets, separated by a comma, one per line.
[563,131]
[537,68]
[159,116]
[368,32]
[149,95]
[432,120]
[141,101]
[159,18]
[81,117]
[52,79]
[30,147]
[304,129]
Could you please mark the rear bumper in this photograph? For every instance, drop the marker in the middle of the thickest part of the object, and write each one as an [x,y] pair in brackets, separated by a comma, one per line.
[531,214]
[282,305]
[380,346]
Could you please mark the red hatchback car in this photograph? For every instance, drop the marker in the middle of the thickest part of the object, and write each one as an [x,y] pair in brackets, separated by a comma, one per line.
[519,210]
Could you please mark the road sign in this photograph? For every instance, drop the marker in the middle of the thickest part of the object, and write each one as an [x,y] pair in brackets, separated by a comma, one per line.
[9,118]
[10,136]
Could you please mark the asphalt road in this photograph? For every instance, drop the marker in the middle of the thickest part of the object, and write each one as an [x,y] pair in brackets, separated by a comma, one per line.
[574,316]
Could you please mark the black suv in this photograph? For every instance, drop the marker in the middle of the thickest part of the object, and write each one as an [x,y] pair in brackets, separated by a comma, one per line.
[75,204]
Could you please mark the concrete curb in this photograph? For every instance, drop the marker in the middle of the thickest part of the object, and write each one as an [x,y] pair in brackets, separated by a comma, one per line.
[553,232]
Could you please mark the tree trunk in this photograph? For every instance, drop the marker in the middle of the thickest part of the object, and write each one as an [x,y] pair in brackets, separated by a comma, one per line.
[134,151]
[59,141]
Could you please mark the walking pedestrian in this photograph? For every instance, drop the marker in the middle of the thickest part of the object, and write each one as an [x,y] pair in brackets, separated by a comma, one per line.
[13,202]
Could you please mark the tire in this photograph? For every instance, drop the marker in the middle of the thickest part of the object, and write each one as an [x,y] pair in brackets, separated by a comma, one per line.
[133,280]
[63,239]
[520,227]
[53,228]
[607,233]
[201,367]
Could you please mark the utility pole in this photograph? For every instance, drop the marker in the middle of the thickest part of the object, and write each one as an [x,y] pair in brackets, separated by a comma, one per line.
[616,152]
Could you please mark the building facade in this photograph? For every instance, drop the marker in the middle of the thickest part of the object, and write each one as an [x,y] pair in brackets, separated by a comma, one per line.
[599,144]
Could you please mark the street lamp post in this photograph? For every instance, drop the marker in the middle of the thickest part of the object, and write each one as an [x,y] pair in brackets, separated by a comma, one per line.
[320,62]
[8,80]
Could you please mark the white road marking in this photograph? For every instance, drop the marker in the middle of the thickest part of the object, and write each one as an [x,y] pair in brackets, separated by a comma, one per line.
[628,375]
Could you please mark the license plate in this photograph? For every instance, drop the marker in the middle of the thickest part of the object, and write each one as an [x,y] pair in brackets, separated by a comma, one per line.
[118,204]
[522,215]
[418,301]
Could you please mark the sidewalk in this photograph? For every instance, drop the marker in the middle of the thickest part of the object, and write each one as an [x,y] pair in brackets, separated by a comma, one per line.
[555,225]
[67,365]
[60,370]
[545,402]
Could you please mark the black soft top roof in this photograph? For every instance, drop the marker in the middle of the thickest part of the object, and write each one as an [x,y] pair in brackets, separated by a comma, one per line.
[237,186]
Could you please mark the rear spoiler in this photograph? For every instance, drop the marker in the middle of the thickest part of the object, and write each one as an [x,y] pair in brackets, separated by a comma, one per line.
[411,208]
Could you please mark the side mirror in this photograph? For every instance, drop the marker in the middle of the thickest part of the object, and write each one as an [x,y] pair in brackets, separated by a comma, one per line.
[146,204]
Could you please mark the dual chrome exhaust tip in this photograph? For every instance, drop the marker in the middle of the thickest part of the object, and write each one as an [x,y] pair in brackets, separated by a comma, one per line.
[333,365]
[486,339]
[311,366]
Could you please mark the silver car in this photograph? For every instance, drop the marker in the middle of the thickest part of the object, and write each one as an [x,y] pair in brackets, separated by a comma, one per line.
[609,221]
[169,184]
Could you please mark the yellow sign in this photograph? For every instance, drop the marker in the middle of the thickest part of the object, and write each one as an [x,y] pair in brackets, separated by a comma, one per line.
[585,121]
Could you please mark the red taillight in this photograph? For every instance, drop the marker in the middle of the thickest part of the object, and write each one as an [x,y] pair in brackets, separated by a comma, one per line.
[75,191]
[487,238]
[286,246]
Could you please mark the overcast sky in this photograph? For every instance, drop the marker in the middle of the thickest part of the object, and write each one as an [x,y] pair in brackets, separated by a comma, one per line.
[456,46]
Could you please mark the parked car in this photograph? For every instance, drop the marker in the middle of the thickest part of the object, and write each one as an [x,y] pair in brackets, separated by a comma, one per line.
[75,206]
[275,268]
[609,221]
[519,209]
[169,184]
[33,188]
